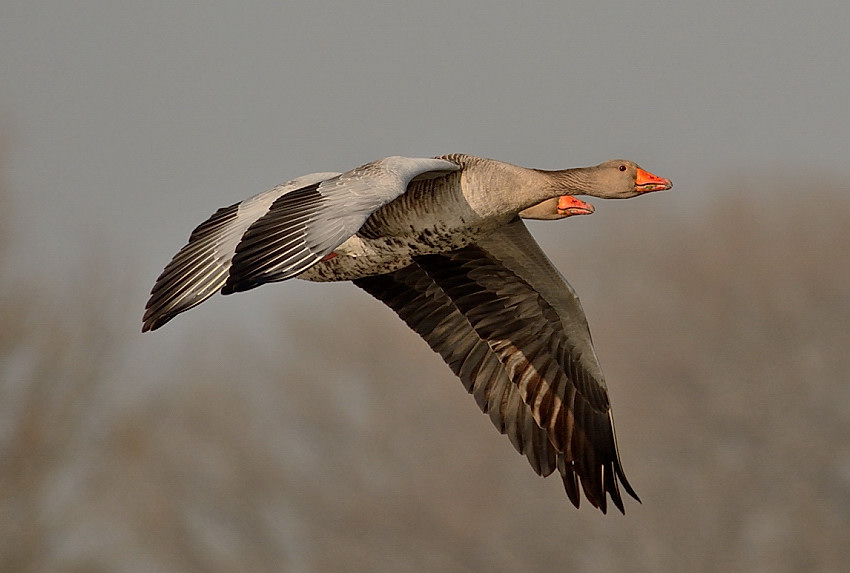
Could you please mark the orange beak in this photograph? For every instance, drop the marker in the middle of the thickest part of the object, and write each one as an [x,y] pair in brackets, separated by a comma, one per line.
[646,182]
[569,205]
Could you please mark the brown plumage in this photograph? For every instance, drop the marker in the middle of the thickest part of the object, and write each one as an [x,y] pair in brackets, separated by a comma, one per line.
[442,243]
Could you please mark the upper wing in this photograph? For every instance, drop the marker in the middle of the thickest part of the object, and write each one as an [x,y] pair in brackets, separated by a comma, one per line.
[522,322]
[280,233]
[302,227]
[201,268]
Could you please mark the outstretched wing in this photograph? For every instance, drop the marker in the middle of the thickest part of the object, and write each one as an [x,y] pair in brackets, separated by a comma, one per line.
[302,227]
[200,269]
[280,233]
[426,308]
[498,311]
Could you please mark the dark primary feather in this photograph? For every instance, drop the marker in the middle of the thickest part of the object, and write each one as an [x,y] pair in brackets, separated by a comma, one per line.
[508,345]
[186,281]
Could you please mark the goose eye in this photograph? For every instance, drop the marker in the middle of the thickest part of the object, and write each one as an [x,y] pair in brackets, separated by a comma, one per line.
[622,167]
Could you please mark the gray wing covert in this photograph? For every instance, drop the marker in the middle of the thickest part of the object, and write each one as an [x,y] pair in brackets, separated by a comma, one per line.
[201,268]
[304,226]
[277,234]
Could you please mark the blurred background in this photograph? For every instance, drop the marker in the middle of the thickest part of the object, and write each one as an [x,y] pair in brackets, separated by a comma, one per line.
[302,427]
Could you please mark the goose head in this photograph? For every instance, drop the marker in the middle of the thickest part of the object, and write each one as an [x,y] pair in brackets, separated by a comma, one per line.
[613,179]
[621,179]
[557,208]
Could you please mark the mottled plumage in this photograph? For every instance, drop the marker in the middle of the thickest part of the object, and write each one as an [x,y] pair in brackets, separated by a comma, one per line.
[442,243]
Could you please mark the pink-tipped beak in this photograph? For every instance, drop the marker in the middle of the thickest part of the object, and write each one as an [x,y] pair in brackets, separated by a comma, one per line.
[569,205]
[646,182]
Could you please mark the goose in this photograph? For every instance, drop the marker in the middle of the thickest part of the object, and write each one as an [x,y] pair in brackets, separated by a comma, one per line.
[441,241]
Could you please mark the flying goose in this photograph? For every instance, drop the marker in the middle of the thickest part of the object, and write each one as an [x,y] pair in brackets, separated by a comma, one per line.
[441,241]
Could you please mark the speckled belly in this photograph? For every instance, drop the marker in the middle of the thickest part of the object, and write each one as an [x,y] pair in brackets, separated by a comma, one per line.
[360,257]
[348,268]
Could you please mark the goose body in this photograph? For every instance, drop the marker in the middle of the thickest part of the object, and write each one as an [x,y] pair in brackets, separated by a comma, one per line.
[441,241]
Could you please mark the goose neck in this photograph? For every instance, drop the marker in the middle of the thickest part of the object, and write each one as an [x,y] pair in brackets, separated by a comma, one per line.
[577,181]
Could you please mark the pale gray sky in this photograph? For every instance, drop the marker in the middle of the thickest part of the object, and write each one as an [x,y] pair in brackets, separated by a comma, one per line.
[132,121]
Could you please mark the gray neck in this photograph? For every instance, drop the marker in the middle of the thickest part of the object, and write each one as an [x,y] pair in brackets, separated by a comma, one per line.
[577,181]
